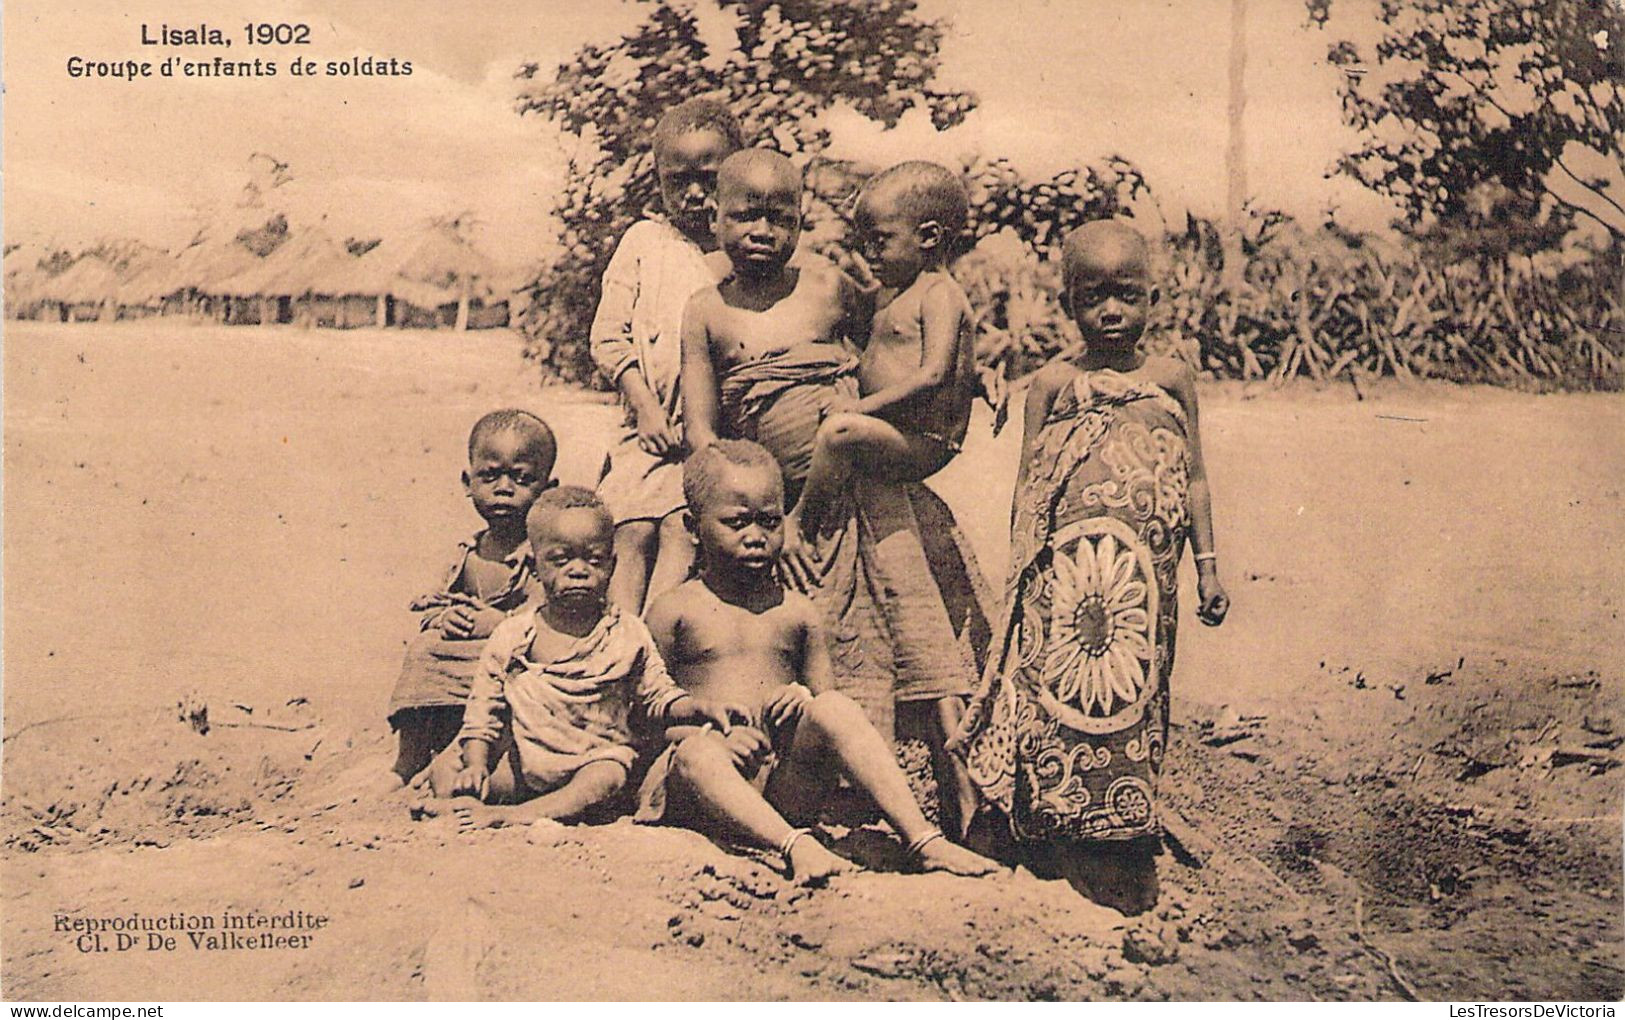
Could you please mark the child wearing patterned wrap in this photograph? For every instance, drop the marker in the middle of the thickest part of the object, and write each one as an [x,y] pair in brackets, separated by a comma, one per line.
[1111,485]
[510,463]
[548,729]
[636,344]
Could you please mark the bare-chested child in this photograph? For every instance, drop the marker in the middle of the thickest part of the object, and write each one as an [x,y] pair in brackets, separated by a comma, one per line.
[764,305]
[917,376]
[547,733]
[734,635]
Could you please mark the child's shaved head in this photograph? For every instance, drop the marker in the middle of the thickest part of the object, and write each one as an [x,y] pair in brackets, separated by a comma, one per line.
[702,472]
[1103,247]
[922,192]
[697,115]
[565,497]
[536,439]
[761,170]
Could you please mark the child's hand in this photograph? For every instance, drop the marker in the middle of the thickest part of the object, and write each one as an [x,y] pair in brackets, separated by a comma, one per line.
[1215,603]
[656,435]
[470,781]
[467,623]
[857,268]
[721,714]
[799,568]
[749,747]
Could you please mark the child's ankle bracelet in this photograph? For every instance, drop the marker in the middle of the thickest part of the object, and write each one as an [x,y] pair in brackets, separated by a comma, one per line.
[924,841]
[791,840]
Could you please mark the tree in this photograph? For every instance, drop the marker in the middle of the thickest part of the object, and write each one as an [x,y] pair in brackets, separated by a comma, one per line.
[1469,93]
[792,59]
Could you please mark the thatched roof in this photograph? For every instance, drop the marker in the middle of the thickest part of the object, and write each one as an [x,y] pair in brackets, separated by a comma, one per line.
[88,280]
[286,271]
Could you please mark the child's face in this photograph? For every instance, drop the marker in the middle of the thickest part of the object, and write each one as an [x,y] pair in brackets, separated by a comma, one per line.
[687,169]
[759,222]
[504,477]
[741,527]
[575,555]
[1108,295]
[893,243]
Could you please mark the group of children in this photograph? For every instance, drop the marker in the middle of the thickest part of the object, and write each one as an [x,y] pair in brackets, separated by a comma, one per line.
[651,648]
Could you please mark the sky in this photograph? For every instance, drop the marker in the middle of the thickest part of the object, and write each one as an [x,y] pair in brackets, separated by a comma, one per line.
[1060,82]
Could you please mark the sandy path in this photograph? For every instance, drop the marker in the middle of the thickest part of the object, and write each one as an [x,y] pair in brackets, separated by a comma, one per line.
[246,513]
[256,507]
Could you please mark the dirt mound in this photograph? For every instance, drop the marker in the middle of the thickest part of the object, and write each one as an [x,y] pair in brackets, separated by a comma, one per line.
[147,779]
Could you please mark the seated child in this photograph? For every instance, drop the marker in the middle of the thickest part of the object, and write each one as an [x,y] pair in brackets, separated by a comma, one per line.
[547,732]
[735,635]
[917,375]
[636,344]
[510,462]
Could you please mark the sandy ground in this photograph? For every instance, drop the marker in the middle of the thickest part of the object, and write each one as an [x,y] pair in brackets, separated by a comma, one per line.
[1394,769]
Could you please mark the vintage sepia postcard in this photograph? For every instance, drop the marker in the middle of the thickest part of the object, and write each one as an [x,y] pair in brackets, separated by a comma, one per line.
[699,500]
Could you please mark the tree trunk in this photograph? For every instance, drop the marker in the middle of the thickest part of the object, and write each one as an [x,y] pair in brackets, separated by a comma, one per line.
[1235,153]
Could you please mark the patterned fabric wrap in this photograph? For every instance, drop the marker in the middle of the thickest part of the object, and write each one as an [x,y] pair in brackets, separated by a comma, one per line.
[1067,733]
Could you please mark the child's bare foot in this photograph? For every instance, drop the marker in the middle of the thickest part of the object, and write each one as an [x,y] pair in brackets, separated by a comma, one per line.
[813,865]
[935,853]
[471,815]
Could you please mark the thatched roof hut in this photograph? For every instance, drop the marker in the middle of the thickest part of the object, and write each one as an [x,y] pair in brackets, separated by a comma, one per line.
[88,289]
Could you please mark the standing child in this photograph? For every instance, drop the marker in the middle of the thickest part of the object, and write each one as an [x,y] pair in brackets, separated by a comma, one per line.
[735,635]
[510,463]
[916,380]
[636,343]
[1067,734]
[548,731]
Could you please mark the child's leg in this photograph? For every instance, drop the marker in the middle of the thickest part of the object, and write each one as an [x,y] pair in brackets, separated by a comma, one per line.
[424,733]
[673,558]
[594,783]
[833,733]
[703,770]
[934,722]
[634,549]
[849,444]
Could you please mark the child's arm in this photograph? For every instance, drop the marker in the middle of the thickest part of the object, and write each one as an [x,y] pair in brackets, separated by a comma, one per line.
[942,317]
[1046,383]
[1215,603]
[615,352]
[699,376]
[483,716]
[434,606]
[817,671]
